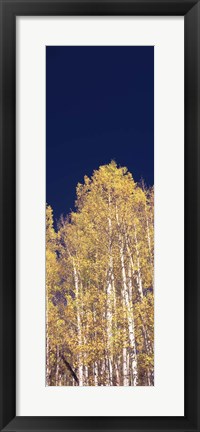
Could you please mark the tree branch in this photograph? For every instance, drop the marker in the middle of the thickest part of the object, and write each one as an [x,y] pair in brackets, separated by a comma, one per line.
[70,368]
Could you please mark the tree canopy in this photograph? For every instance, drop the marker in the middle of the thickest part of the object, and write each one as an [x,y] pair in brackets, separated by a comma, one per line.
[99,285]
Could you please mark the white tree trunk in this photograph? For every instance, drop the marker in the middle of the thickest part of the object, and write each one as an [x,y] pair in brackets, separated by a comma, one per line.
[125,369]
[102,372]
[140,291]
[129,313]
[117,374]
[149,244]
[110,289]
[86,375]
[139,278]
[107,371]
[131,327]
[79,331]
[110,371]
[47,354]
[57,365]
[95,374]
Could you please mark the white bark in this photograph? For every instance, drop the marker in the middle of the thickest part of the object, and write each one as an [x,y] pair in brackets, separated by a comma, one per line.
[95,374]
[125,369]
[140,291]
[47,353]
[149,243]
[110,291]
[57,365]
[131,327]
[117,374]
[129,314]
[80,364]
[139,278]
[86,375]
[107,371]
[102,372]
[110,371]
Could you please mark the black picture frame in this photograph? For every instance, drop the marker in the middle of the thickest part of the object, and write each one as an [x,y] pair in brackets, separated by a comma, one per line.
[9,10]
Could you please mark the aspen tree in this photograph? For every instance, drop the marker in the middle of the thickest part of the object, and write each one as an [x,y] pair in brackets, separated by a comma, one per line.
[99,293]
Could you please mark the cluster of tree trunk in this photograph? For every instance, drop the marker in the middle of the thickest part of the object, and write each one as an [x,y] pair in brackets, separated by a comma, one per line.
[99,285]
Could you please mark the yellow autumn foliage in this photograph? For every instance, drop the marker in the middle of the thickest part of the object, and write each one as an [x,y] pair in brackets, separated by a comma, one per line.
[99,285]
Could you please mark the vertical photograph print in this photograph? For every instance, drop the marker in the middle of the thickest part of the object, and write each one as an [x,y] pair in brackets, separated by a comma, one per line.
[99,216]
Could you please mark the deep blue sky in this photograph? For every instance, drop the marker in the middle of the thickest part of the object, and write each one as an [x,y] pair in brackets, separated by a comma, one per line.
[99,107]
